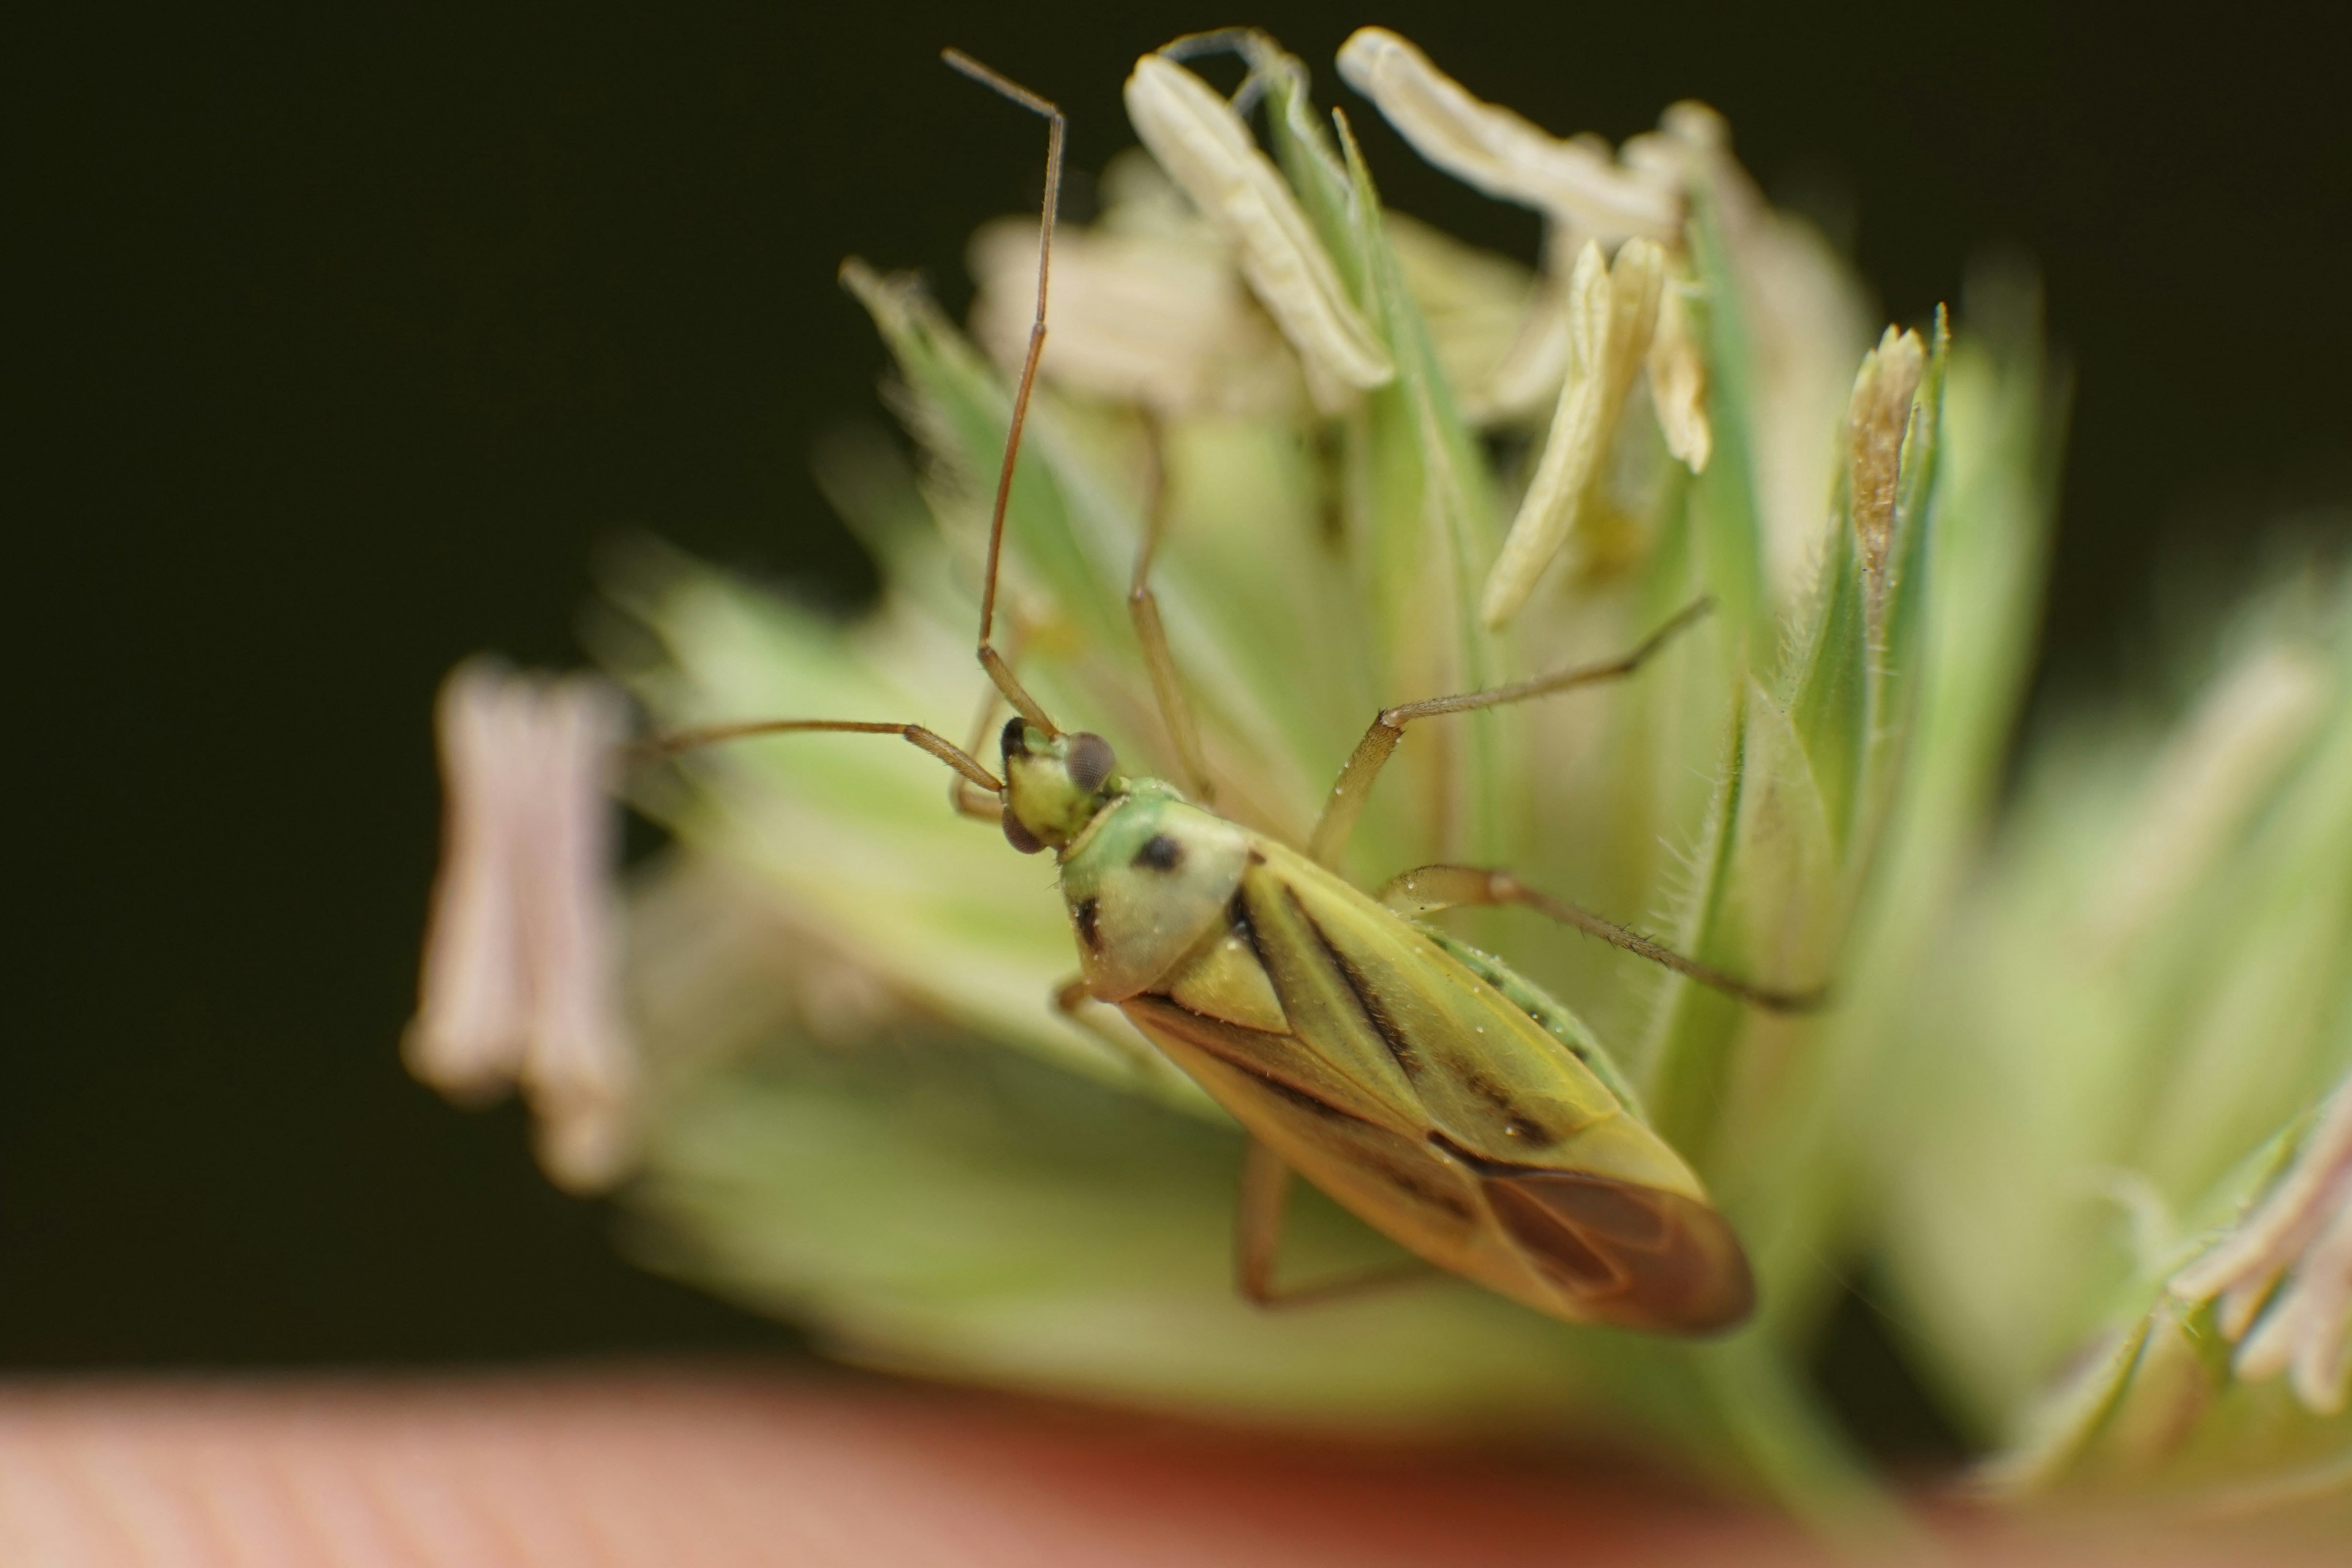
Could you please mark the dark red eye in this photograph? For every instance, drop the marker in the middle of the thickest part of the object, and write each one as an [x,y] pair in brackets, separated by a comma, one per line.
[1020,837]
[1090,761]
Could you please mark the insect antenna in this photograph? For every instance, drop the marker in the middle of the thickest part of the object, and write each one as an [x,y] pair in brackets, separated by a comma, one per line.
[658,747]
[999,671]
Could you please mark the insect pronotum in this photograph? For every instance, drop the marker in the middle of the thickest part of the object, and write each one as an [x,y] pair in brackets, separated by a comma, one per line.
[1423,1085]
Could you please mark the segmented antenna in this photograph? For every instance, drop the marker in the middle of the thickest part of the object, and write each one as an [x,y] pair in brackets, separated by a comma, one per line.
[991,660]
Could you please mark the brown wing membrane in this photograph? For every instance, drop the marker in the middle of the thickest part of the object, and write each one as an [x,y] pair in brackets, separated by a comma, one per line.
[1631,1256]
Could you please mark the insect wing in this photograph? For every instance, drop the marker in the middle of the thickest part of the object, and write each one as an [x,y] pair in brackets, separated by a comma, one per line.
[1413,1092]
[1380,998]
[1335,1134]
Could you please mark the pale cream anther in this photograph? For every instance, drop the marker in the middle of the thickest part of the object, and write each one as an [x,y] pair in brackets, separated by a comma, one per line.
[1478,307]
[1528,375]
[1207,150]
[1576,180]
[1525,382]
[1611,312]
[1138,317]
[2283,1275]
[1678,381]
[473,1016]
[1878,417]
[520,979]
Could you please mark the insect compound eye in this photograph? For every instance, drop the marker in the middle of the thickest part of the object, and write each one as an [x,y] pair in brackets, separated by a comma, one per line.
[1014,741]
[1020,837]
[1090,761]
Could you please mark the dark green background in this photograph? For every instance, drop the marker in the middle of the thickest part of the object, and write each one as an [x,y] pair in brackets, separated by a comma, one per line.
[341,342]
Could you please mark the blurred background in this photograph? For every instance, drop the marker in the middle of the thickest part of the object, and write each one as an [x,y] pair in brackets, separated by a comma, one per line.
[344,342]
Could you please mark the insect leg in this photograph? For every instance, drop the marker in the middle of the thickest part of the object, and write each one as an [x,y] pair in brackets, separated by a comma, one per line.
[1175,711]
[1258,1216]
[968,800]
[1263,1204]
[1372,753]
[1433,888]
[1000,671]
[1075,1003]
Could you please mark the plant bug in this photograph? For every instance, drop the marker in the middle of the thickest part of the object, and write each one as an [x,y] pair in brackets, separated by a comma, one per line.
[1423,1085]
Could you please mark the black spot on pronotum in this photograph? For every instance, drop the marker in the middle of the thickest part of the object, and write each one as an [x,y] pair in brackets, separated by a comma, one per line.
[1085,912]
[1160,853]
[1014,739]
[1090,761]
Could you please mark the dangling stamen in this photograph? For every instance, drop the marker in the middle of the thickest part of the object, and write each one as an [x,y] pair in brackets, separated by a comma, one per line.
[520,981]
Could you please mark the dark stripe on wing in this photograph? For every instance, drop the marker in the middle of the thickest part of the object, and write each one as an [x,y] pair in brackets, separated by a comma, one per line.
[1398,1162]
[1237,917]
[1519,1122]
[1205,1033]
[1367,1000]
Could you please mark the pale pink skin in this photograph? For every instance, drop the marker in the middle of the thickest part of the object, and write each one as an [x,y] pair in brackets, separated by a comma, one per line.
[749,1466]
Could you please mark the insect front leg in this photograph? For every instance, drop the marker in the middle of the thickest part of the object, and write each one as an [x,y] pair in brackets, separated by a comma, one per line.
[1372,753]
[1428,889]
[966,798]
[1260,1210]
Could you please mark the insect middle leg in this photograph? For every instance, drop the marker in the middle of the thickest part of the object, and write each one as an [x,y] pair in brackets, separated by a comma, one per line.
[1258,1216]
[967,798]
[1372,753]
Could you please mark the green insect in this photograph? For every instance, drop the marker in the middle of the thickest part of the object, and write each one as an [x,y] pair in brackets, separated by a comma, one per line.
[1441,1098]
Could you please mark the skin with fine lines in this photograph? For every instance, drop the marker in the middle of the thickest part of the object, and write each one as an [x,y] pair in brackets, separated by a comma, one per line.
[1443,1099]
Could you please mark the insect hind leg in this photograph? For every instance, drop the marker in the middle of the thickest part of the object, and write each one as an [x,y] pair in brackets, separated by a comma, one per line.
[1260,1211]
